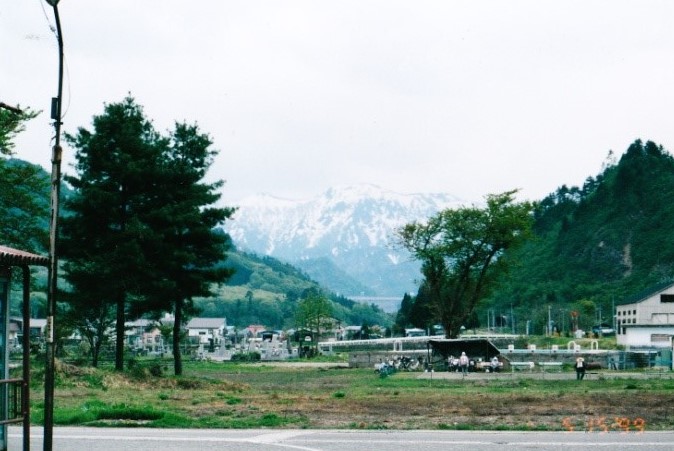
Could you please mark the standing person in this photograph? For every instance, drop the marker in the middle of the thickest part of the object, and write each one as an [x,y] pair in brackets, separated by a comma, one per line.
[494,364]
[463,363]
[580,368]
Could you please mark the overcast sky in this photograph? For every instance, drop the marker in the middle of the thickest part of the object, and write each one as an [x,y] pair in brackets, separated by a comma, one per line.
[464,97]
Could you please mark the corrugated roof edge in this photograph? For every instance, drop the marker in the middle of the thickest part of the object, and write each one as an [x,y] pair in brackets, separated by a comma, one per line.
[15,257]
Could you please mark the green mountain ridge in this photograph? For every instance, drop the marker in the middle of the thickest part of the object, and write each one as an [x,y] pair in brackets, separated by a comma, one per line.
[266,291]
[262,290]
[595,246]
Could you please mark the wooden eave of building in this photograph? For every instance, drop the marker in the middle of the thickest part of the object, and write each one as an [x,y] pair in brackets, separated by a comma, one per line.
[15,257]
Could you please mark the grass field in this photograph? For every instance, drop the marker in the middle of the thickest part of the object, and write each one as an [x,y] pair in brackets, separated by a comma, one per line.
[247,395]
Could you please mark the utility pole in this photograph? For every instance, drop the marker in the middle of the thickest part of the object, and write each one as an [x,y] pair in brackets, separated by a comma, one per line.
[52,276]
[614,320]
[512,320]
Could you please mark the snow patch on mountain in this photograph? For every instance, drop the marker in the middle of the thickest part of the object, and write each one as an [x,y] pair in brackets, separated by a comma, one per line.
[353,226]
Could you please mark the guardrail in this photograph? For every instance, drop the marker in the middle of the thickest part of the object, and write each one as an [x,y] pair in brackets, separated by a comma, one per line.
[546,365]
[522,365]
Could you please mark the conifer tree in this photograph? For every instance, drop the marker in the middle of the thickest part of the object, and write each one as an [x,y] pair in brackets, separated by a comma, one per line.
[102,237]
[142,235]
[186,250]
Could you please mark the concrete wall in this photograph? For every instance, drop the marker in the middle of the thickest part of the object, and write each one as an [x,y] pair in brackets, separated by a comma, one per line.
[641,336]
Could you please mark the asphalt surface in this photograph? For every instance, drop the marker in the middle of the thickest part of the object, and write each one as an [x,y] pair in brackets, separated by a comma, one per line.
[108,439]
[127,439]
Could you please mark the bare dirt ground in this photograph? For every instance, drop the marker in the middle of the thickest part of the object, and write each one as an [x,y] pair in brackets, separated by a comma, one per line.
[445,402]
[331,396]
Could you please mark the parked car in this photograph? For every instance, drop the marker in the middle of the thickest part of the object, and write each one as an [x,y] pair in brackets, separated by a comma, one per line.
[603,330]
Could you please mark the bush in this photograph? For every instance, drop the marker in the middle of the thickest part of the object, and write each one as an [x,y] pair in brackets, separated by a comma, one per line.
[156,370]
[123,412]
[141,372]
[246,357]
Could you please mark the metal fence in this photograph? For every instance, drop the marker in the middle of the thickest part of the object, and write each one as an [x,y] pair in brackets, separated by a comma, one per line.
[13,388]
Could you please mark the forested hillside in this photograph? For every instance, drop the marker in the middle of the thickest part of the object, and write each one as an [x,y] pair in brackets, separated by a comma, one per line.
[24,205]
[261,291]
[594,246]
[266,291]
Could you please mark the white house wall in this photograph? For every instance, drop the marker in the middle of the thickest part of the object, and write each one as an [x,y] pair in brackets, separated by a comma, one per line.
[649,322]
[206,334]
[642,336]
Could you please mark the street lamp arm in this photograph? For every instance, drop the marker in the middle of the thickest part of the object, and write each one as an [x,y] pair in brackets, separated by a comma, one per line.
[11,108]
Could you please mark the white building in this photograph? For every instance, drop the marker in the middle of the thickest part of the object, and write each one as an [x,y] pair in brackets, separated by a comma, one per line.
[144,336]
[207,329]
[648,321]
[15,330]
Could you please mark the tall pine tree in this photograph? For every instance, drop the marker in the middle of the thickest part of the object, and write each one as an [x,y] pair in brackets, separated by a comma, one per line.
[187,251]
[103,235]
[143,222]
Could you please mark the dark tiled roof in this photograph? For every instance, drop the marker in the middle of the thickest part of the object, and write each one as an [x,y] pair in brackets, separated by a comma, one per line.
[15,257]
[645,294]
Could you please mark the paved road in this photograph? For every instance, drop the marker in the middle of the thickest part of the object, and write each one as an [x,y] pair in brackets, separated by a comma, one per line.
[109,439]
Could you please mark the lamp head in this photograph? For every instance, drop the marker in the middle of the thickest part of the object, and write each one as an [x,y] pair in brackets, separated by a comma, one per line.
[52,2]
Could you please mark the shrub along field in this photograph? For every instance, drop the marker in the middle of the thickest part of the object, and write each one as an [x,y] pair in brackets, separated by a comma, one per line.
[259,395]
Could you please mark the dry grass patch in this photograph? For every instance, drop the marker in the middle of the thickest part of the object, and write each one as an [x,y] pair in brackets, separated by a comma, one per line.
[250,395]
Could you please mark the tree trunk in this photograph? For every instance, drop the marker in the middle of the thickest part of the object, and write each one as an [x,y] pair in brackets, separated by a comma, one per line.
[451,323]
[177,357]
[95,351]
[119,328]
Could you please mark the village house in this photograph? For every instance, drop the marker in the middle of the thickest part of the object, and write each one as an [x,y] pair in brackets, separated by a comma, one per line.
[207,330]
[647,320]
[37,328]
[141,336]
[144,337]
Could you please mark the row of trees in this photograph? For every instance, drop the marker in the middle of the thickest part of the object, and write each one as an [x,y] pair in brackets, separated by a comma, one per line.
[139,236]
[139,233]
[151,243]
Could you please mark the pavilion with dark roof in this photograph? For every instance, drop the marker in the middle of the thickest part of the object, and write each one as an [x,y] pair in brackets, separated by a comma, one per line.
[15,393]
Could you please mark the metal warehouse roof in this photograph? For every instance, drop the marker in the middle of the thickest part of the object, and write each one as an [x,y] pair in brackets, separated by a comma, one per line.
[206,323]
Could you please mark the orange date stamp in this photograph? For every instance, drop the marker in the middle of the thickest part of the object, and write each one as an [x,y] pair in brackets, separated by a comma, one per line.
[605,424]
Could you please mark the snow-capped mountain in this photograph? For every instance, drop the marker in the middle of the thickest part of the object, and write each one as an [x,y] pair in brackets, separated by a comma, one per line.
[346,229]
